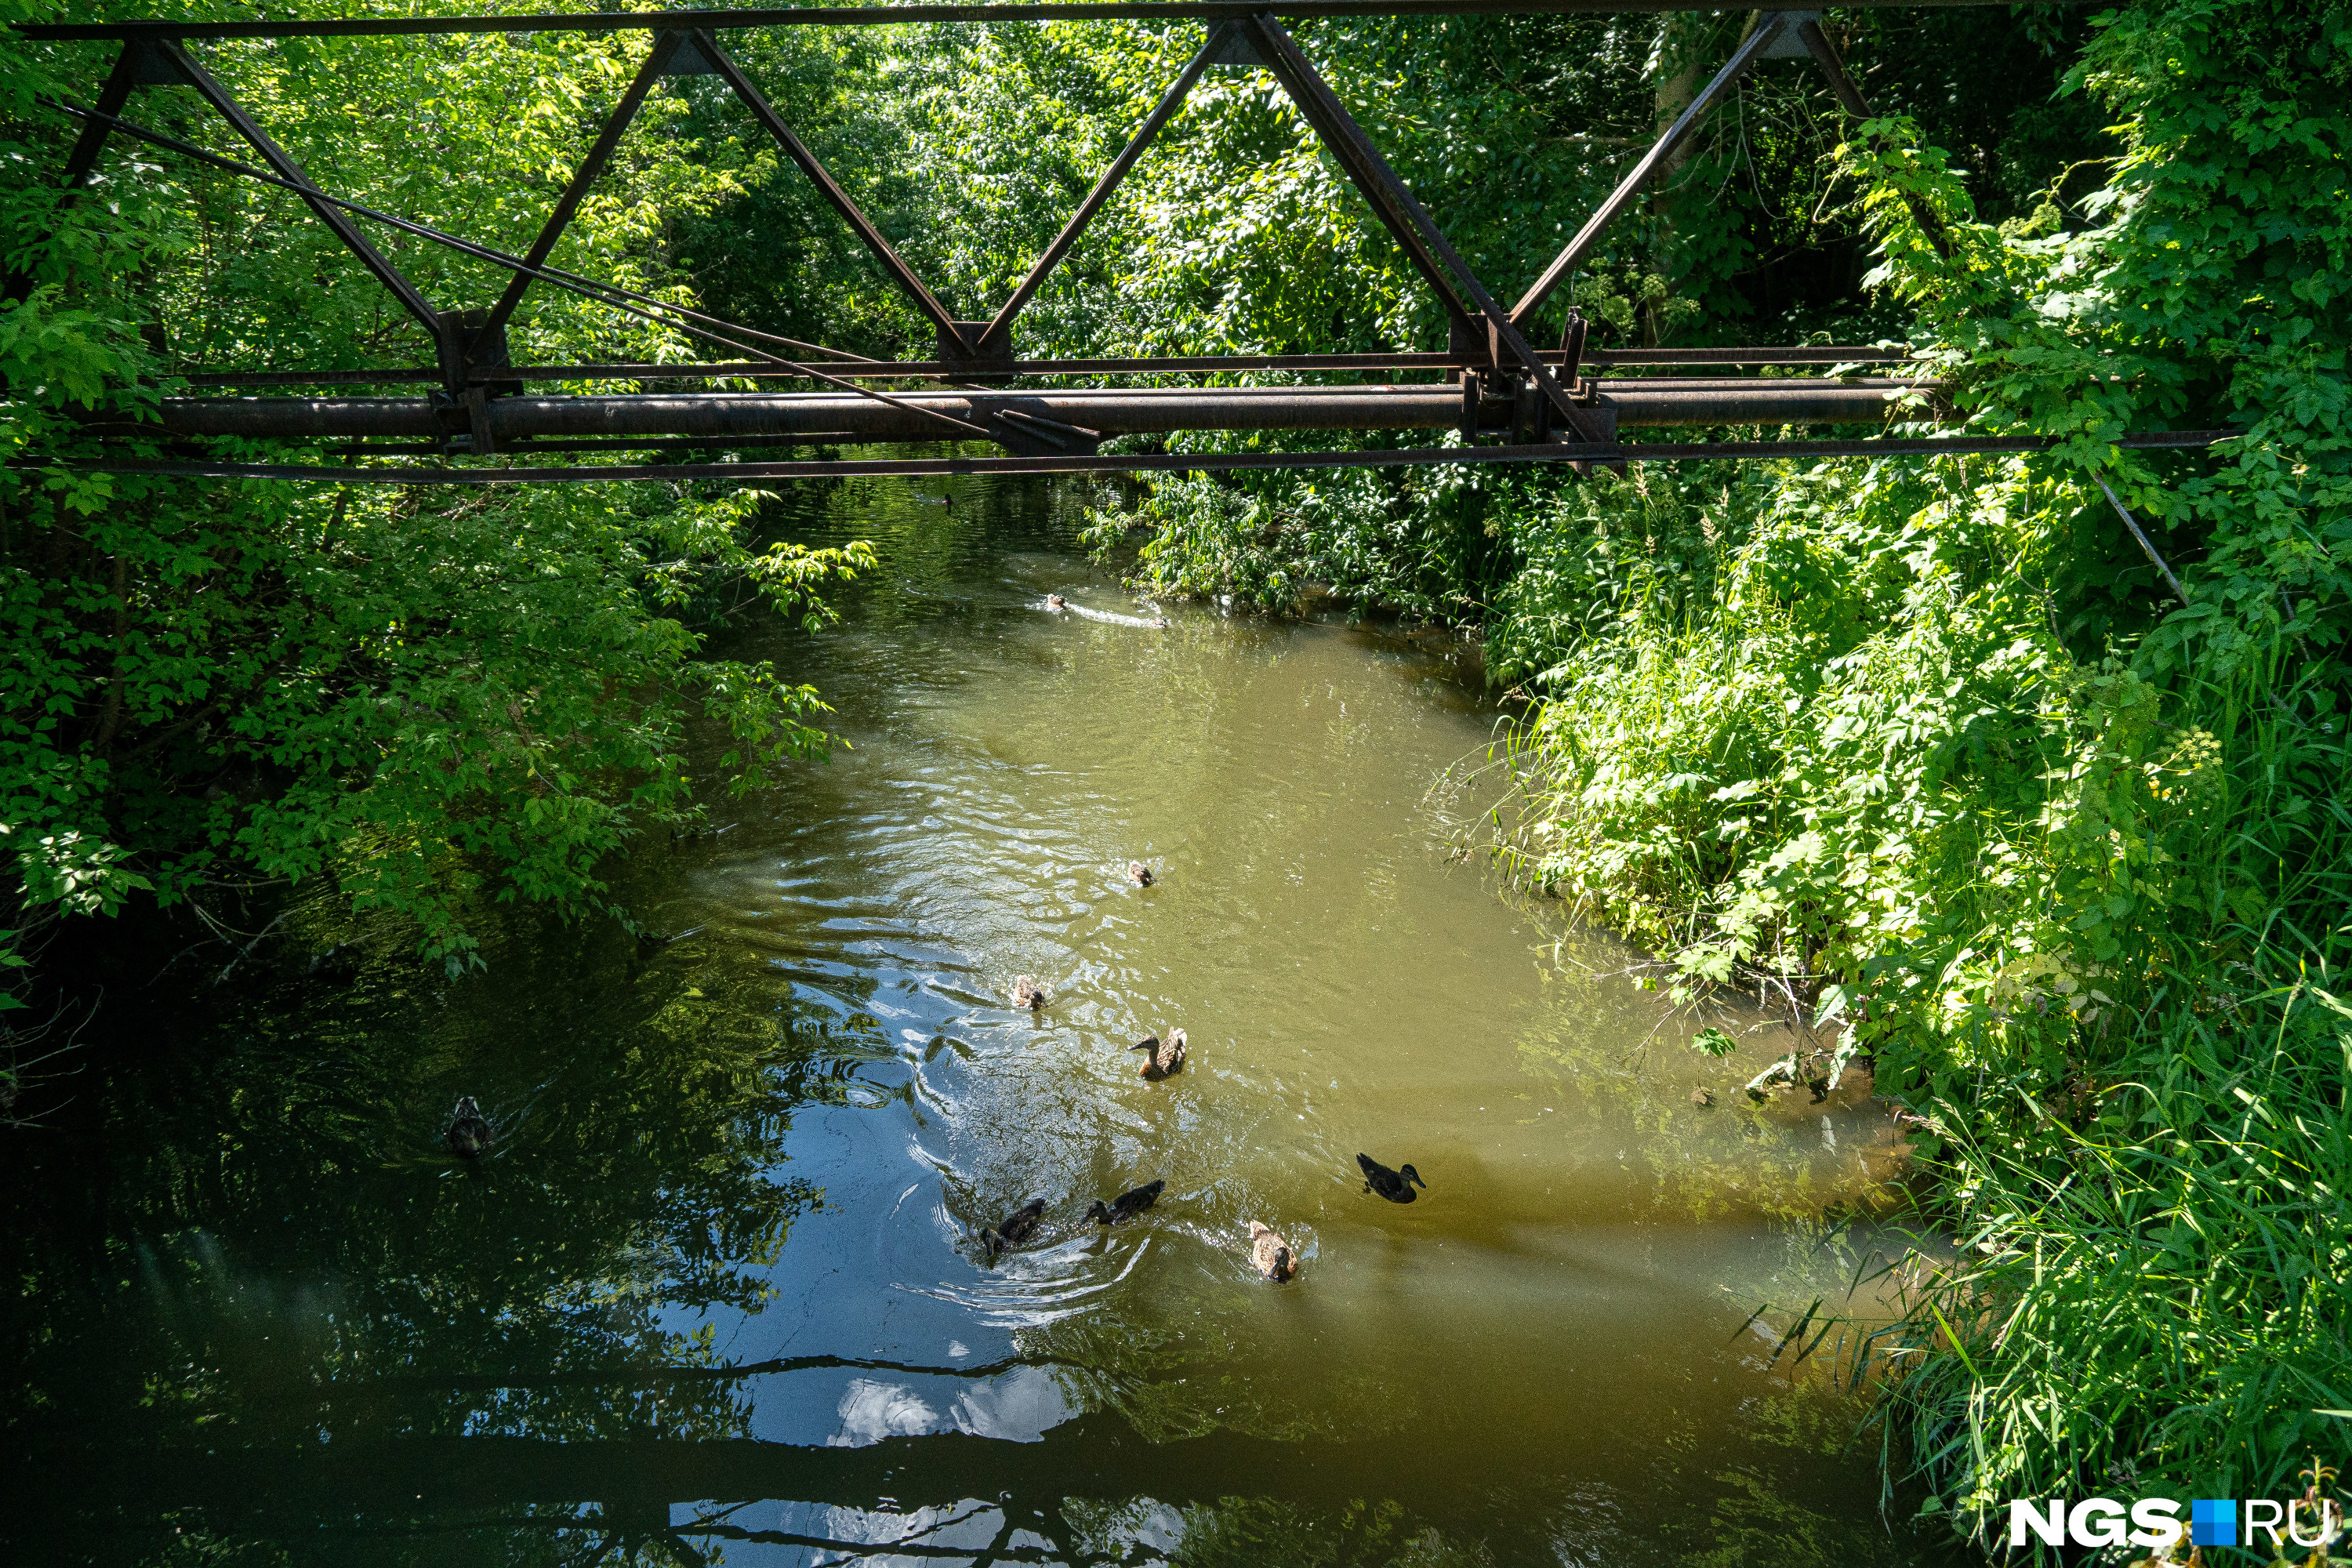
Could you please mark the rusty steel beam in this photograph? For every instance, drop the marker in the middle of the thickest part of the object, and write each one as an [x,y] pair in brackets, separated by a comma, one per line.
[830,189]
[1448,274]
[1178,365]
[890,16]
[918,416]
[1145,462]
[1825,54]
[1170,102]
[1370,174]
[111,97]
[591,166]
[1578,249]
[288,170]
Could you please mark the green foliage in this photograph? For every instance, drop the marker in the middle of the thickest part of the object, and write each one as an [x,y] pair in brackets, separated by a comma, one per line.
[433,697]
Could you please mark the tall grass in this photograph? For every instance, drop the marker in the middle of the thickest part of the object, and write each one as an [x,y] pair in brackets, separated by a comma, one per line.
[2154,1285]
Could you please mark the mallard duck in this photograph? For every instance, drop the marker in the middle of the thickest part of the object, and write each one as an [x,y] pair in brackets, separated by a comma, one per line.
[1270,1253]
[1127,1205]
[1139,874]
[1164,1058]
[1397,1186]
[468,1134]
[1014,1228]
[1056,602]
[1027,993]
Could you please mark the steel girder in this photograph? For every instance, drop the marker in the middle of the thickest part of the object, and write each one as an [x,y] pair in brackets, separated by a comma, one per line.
[1499,383]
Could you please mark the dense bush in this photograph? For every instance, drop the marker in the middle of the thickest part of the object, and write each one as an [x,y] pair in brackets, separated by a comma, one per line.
[434,695]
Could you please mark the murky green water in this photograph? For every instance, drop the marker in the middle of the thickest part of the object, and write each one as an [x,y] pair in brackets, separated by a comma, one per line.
[718,1294]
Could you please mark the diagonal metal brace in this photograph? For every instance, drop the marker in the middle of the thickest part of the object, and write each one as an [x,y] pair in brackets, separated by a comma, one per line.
[1409,221]
[835,197]
[666,44]
[110,99]
[1817,43]
[1332,124]
[1758,43]
[288,169]
[1170,102]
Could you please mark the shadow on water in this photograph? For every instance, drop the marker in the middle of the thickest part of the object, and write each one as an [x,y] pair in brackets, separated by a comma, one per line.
[717,1293]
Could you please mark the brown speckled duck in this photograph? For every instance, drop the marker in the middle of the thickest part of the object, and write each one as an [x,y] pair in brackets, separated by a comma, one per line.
[1139,874]
[1270,1253]
[1164,1057]
[1027,993]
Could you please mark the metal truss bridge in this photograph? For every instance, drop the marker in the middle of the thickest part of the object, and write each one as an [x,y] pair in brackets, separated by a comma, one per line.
[1503,397]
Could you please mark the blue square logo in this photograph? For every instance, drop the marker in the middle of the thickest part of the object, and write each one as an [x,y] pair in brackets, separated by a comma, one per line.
[2212,1521]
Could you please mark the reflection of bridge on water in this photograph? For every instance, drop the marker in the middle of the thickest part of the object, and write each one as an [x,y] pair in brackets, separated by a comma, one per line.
[674,1491]
[1508,399]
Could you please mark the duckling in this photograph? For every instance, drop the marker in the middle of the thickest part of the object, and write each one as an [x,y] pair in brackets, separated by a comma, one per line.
[1165,1059]
[1014,1228]
[1027,993]
[1139,874]
[467,1134]
[1394,1185]
[1127,1205]
[1056,602]
[1270,1253]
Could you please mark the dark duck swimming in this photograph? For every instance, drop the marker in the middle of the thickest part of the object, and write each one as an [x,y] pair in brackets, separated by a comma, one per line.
[1014,1228]
[1127,1205]
[468,1134]
[1397,1186]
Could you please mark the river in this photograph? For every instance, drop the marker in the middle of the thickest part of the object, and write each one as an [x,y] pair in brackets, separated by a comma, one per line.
[719,1292]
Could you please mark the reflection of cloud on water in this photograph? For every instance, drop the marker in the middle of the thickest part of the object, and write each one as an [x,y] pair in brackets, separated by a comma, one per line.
[871,1411]
[1022,1406]
[967,1526]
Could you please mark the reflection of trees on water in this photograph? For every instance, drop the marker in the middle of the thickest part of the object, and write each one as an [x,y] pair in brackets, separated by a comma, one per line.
[249,1236]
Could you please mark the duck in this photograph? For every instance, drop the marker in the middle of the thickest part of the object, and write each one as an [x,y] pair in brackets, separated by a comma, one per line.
[468,1134]
[1139,874]
[1397,1186]
[1165,1057]
[1027,993]
[1127,1205]
[1270,1253]
[1014,1228]
[1056,602]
